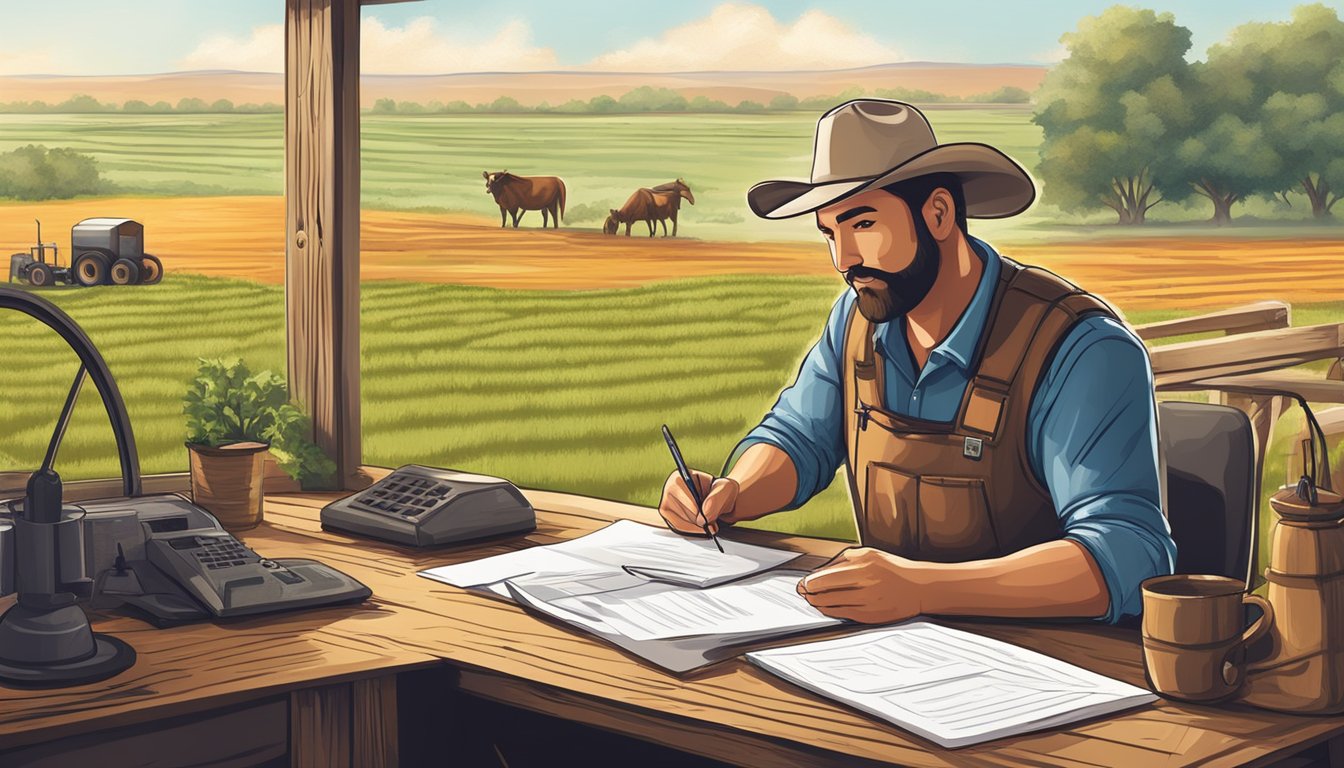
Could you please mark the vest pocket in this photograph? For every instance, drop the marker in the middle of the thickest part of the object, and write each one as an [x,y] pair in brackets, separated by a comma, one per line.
[892,511]
[954,521]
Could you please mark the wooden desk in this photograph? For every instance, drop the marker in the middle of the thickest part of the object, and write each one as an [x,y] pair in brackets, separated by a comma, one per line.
[326,679]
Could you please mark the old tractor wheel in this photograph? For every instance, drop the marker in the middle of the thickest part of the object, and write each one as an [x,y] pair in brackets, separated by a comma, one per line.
[91,269]
[151,270]
[39,275]
[125,272]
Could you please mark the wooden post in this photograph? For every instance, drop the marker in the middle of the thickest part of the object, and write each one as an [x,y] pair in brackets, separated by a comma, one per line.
[319,727]
[322,223]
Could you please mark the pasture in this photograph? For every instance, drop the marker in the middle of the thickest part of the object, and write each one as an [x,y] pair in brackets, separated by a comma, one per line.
[434,162]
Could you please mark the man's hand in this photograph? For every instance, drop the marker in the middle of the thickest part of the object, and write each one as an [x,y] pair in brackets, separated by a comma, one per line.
[865,585]
[678,508]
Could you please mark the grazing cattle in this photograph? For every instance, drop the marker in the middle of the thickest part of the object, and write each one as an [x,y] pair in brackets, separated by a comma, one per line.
[651,206]
[667,198]
[639,207]
[516,194]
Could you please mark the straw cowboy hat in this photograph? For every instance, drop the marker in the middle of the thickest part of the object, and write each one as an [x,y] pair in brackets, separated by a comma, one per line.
[870,143]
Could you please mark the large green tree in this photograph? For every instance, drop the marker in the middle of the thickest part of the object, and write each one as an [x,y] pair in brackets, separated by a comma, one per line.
[1288,78]
[1113,114]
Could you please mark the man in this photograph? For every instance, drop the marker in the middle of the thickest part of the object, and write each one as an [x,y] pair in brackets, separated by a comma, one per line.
[997,424]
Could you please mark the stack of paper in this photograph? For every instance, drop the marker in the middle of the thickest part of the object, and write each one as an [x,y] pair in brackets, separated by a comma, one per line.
[677,602]
[953,688]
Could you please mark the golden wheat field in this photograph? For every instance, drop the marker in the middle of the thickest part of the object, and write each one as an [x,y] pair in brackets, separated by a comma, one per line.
[243,237]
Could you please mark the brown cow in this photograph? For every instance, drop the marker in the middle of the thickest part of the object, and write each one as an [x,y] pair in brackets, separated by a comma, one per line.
[639,207]
[517,194]
[667,198]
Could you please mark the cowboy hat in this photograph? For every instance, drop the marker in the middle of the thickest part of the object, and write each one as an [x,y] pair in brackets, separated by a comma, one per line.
[870,143]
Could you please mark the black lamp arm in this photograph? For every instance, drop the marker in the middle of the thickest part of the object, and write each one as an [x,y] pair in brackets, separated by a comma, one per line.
[50,315]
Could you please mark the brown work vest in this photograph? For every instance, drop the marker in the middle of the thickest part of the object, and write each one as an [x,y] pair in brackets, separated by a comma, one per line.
[961,490]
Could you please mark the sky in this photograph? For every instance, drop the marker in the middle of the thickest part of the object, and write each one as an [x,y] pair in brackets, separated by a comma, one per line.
[92,37]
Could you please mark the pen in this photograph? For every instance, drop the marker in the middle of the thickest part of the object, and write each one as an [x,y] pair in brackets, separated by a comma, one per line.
[685,473]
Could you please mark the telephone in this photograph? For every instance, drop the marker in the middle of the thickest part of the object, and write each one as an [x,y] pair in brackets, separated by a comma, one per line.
[176,564]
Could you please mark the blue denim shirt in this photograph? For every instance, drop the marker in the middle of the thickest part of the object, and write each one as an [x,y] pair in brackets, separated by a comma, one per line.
[1092,427]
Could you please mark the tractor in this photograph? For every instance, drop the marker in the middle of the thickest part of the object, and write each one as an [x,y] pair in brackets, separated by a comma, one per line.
[102,251]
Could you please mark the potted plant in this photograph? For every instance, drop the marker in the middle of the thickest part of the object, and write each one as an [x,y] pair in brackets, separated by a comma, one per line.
[233,417]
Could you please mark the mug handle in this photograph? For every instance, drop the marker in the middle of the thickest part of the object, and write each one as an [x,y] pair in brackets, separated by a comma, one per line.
[1232,672]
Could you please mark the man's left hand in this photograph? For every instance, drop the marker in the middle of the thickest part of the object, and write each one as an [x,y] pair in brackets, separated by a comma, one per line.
[865,585]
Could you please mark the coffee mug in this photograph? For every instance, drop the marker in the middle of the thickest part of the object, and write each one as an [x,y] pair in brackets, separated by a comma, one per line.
[1195,635]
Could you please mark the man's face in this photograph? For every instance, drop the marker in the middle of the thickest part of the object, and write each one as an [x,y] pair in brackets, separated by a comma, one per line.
[885,251]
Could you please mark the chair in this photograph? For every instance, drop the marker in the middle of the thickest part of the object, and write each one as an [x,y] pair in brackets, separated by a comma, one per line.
[1211,487]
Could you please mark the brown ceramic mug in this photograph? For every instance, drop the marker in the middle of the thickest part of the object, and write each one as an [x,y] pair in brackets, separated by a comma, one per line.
[1195,635]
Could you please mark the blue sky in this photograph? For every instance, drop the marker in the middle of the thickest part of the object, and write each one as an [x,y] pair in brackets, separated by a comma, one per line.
[144,36]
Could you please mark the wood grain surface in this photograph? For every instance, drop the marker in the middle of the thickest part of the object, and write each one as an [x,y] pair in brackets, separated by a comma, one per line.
[731,711]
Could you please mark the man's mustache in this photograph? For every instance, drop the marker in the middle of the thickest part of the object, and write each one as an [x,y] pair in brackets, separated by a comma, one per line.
[861,271]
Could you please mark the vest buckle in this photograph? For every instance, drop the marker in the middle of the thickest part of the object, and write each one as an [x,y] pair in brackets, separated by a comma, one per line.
[864,416]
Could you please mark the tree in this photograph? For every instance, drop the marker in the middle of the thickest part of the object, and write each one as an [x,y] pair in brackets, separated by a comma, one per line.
[1113,113]
[222,105]
[35,173]
[192,105]
[784,101]
[1226,162]
[1289,78]
[385,107]
[648,99]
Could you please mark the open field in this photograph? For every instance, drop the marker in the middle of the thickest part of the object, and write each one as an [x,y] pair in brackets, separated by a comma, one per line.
[556,389]
[242,237]
[434,163]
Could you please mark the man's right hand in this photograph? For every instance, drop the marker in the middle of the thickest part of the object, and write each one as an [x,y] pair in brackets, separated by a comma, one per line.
[678,507]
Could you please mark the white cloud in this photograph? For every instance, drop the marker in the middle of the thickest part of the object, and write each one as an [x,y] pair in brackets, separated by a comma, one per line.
[747,37]
[419,47]
[262,51]
[19,61]
[1052,56]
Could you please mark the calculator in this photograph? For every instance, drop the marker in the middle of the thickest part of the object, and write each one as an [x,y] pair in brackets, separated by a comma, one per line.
[427,506]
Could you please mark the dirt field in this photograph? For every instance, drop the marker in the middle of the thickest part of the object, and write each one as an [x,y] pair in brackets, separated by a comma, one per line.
[242,237]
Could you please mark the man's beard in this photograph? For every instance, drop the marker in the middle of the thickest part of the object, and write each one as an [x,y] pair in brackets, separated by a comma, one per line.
[898,292]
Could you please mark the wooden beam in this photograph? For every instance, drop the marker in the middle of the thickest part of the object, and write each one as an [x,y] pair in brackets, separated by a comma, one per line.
[1260,316]
[1176,364]
[322,222]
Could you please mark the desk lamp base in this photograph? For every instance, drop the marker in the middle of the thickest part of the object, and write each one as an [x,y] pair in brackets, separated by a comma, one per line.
[54,647]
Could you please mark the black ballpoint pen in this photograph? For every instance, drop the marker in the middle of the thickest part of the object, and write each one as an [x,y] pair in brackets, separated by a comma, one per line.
[690,483]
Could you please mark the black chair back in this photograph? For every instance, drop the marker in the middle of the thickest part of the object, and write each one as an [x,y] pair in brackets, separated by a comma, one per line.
[1209,452]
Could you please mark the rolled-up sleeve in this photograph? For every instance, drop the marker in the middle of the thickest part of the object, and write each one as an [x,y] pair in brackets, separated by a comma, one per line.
[1093,444]
[806,421]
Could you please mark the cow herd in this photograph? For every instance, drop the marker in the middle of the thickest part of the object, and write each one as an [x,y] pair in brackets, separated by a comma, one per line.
[652,205]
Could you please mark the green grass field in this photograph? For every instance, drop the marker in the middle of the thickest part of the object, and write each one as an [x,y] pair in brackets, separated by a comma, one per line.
[434,162]
[560,389]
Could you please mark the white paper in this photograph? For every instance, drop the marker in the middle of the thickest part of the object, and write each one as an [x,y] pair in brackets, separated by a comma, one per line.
[643,550]
[952,687]
[765,603]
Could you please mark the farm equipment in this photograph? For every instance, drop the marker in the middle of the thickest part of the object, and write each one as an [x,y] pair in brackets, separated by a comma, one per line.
[102,251]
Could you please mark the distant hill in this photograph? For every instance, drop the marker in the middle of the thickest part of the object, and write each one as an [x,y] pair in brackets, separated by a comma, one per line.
[531,88]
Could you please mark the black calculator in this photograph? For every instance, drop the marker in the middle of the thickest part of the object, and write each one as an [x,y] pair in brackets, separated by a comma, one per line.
[426,506]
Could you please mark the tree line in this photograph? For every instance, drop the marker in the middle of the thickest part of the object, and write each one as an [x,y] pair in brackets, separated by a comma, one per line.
[83,104]
[650,99]
[642,99]
[1130,123]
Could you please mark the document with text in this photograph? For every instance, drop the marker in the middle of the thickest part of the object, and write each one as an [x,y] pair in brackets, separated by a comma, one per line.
[653,554]
[951,687]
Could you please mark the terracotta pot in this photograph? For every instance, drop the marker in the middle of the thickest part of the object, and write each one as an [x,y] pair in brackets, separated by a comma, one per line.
[227,481]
